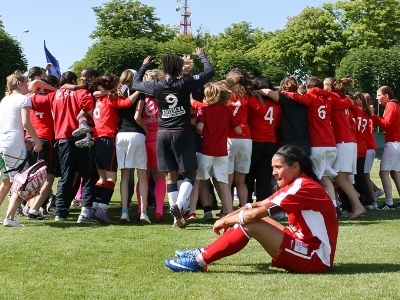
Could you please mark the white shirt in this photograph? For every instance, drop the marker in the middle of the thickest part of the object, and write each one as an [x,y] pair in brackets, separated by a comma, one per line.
[11,129]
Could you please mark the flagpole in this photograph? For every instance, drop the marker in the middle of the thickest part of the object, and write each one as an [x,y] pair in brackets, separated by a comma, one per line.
[20,40]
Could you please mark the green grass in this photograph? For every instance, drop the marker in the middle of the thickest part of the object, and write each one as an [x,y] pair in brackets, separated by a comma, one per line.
[47,260]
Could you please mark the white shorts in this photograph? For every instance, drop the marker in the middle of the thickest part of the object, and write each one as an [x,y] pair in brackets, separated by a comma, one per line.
[216,166]
[323,159]
[351,179]
[390,160]
[10,158]
[131,150]
[369,160]
[239,153]
[346,159]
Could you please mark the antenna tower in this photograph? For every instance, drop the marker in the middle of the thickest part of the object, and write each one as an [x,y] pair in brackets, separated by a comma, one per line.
[185,24]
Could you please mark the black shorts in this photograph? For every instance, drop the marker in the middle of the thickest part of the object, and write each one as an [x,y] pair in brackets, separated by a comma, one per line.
[47,154]
[105,154]
[176,151]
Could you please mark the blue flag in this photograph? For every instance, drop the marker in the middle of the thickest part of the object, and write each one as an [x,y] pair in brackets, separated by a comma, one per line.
[55,68]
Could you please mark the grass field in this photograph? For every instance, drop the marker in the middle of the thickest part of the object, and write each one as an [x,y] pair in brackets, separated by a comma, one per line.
[47,260]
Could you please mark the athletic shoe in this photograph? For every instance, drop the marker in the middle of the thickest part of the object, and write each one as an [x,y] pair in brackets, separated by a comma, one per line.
[85,142]
[378,193]
[176,212]
[159,217]
[346,214]
[397,206]
[190,217]
[19,212]
[369,207]
[25,210]
[185,264]
[92,214]
[375,205]
[387,207]
[32,216]
[59,219]
[82,129]
[83,219]
[208,216]
[191,252]
[76,203]
[102,216]
[12,223]
[125,218]
[144,218]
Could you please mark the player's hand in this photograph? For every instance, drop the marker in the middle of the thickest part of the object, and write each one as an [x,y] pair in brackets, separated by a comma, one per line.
[37,147]
[220,225]
[148,60]
[199,51]
[372,110]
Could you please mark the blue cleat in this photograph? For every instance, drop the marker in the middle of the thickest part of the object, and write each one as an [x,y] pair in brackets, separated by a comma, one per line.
[185,253]
[185,264]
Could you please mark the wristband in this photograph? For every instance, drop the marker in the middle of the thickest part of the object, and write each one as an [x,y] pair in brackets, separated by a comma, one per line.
[241,221]
[249,206]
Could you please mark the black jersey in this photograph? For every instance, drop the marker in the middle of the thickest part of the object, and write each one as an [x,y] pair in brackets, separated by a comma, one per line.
[126,118]
[173,95]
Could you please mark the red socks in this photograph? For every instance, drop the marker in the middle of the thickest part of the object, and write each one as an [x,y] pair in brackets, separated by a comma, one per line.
[229,243]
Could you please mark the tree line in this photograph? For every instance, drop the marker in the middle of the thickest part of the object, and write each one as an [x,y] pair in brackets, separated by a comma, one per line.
[348,38]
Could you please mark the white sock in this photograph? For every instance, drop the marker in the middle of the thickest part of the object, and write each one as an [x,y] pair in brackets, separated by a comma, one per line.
[172,197]
[389,201]
[184,193]
[103,207]
[34,212]
[95,205]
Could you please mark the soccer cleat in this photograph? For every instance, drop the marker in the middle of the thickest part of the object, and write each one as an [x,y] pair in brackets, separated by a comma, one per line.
[59,219]
[144,218]
[11,223]
[190,217]
[191,252]
[83,219]
[378,193]
[369,207]
[82,129]
[19,212]
[208,216]
[375,205]
[125,218]
[387,207]
[92,214]
[85,142]
[184,264]
[102,216]
[32,216]
[177,213]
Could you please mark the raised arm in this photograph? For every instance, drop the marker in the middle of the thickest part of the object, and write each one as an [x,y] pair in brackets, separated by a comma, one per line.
[268,93]
[138,84]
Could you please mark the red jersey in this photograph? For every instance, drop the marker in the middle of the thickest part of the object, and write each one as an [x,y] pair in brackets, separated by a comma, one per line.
[319,116]
[217,119]
[311,215]
[390,122]
[240,109]
[105,115]
[65,106]
[369,135]
[150,117]
[263,128]
[360,120]
[41,117]
[340,121]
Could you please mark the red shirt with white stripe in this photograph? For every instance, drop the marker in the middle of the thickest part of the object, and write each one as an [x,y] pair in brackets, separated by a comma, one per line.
[105,115]
[390,122]
[41,117]
[240,108]
[263,128]
[311,215]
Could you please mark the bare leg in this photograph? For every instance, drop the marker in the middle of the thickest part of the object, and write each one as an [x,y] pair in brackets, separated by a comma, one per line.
[386,184]
[5,187]
[342,179]
[370,186]
[194,196]
[143,188]
[396,178]
[124,187]
[44,192]
[268,233]
[241,187]
[15,202]
[226,197]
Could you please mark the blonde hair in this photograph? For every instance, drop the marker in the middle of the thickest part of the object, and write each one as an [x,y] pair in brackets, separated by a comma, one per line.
[154,74]
[188,65]
[13,81]
[241,81]
[126,77]
[289,84]
[216,92]
[340,86]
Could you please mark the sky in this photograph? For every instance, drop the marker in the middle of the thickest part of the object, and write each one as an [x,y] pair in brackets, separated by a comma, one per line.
[66,25]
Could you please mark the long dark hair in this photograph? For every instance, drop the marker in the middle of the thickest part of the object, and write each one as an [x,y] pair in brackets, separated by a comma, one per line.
[292,154]
[172,65]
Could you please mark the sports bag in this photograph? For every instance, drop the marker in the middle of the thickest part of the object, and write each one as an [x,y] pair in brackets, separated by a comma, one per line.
[27,184]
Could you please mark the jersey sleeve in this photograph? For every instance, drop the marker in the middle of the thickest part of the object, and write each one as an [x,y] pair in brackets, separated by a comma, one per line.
[388,116]
[195,81]
[340,103]
[197,104]
[121,102]
[86,100]
[232,120]
[147,87]
[256,106]
[302,99]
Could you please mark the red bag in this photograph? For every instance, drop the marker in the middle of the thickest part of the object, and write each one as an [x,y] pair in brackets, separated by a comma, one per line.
[27,184]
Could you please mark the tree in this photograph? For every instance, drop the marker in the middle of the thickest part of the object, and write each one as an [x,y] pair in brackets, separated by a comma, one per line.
[310,44]
[11,58]
[130,19]
[369,23]
[371,68]
[116,55]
